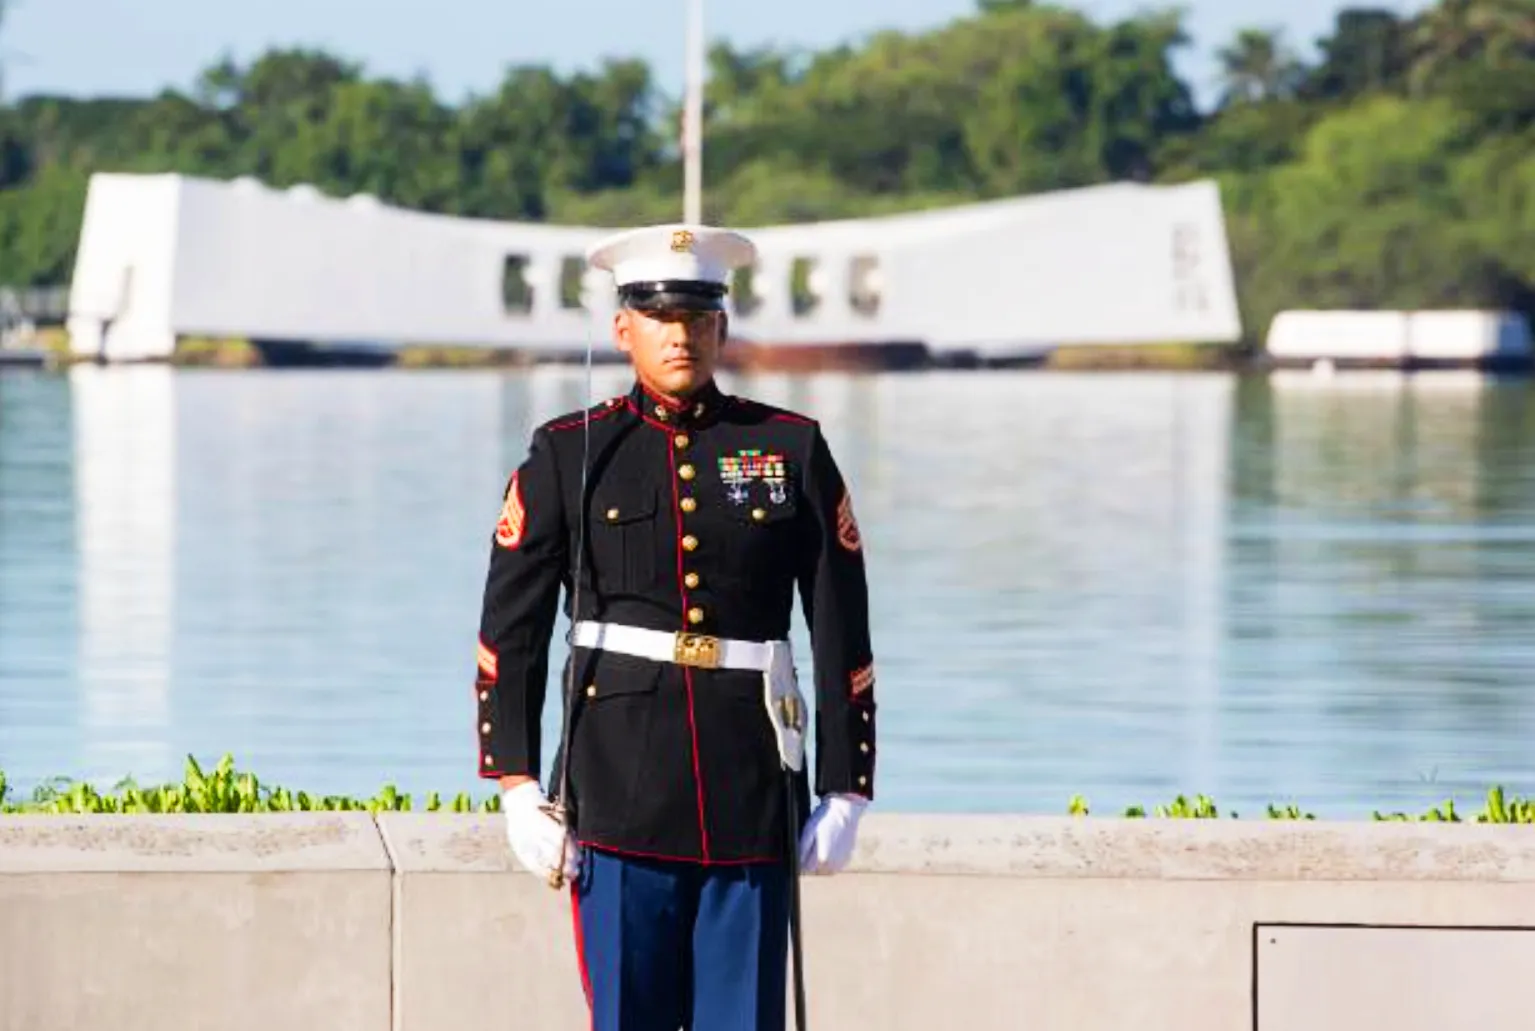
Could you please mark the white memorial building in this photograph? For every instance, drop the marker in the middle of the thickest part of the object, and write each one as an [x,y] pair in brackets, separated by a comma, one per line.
[167,256]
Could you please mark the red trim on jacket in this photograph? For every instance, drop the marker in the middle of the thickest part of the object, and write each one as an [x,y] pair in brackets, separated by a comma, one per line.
[651,420]
[578,421]
[631,854]
[670,403]
[682,590]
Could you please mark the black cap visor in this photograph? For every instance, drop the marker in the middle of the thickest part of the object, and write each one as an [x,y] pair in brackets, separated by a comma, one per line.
[673,295]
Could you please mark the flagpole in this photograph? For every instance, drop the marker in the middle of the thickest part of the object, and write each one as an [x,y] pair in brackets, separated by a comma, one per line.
[693,117]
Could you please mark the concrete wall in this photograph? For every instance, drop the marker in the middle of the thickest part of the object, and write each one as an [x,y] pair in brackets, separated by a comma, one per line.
[423,923]
[193,922]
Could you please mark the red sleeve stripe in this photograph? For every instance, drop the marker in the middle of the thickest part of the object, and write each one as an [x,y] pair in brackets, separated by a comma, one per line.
[485,659]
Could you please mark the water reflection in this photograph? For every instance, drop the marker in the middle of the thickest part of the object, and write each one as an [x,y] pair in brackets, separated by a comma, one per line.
[333,532]
[1046,558]
[38,623]
[1378,635]
[1126,586]
[124,461]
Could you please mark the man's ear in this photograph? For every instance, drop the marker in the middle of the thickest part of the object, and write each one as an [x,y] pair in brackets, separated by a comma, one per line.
[622,332]
[724,327]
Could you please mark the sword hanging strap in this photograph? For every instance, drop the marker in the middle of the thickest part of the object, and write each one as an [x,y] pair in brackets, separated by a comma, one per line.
[560,803]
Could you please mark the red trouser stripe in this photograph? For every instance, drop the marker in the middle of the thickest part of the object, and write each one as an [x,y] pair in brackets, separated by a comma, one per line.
[586,980]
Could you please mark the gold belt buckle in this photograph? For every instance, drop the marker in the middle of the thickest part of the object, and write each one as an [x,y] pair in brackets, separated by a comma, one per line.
[697,650]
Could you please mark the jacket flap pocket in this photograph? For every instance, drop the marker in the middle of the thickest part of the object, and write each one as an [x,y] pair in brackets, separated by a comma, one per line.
[610,674]
[616,507]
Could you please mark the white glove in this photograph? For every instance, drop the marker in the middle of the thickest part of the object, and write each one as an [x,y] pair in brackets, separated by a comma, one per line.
[826,846]
[536,837]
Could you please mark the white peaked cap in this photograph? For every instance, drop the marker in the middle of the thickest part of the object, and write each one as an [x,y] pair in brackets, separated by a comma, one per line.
[669,253]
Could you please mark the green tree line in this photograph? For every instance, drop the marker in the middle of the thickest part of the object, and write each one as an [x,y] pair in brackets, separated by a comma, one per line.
[1397,168]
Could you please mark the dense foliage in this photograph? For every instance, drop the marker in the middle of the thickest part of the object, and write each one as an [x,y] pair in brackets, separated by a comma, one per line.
[1397,169]
[226,789]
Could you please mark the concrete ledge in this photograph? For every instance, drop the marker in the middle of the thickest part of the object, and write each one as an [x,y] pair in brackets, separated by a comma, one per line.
[213,843]
[1158,849]
[447,843]
[419,922]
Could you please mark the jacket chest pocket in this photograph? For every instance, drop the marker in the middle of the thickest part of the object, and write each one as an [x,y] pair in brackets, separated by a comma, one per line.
[764,536]
[626,537]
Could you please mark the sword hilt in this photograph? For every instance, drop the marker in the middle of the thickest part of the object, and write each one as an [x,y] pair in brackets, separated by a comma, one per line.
[556,878]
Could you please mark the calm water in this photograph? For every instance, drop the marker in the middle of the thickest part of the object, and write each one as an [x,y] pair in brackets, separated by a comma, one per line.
[1124,586]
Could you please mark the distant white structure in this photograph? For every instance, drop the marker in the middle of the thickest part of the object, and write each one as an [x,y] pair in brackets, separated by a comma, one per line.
[163,256]
[1399,338]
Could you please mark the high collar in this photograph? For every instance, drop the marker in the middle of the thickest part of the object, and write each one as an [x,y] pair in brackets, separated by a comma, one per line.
[667,412]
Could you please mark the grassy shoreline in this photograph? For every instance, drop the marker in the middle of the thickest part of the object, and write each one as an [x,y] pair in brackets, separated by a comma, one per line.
[235,353]
[227,789]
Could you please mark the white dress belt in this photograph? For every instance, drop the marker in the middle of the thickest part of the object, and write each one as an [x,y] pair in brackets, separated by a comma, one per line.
[684,649]
[781,695]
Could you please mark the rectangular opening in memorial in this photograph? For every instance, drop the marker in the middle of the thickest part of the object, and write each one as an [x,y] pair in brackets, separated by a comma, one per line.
[572,272]
[802,295]
[516,291]
[864,283]
[744,299]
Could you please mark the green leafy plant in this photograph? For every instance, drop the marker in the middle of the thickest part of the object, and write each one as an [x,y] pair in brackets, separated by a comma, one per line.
[227,789]
[1498,809]
[224,789]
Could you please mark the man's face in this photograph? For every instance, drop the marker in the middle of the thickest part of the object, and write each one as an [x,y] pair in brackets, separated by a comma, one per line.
[673,352]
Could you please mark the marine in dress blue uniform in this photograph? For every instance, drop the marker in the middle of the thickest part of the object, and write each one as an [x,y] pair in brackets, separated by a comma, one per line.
[679,523]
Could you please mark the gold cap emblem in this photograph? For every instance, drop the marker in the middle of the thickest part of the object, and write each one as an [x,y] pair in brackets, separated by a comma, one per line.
[682,241]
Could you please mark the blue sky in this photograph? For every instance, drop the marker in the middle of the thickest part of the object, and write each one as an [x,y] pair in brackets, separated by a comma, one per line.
[94,47]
